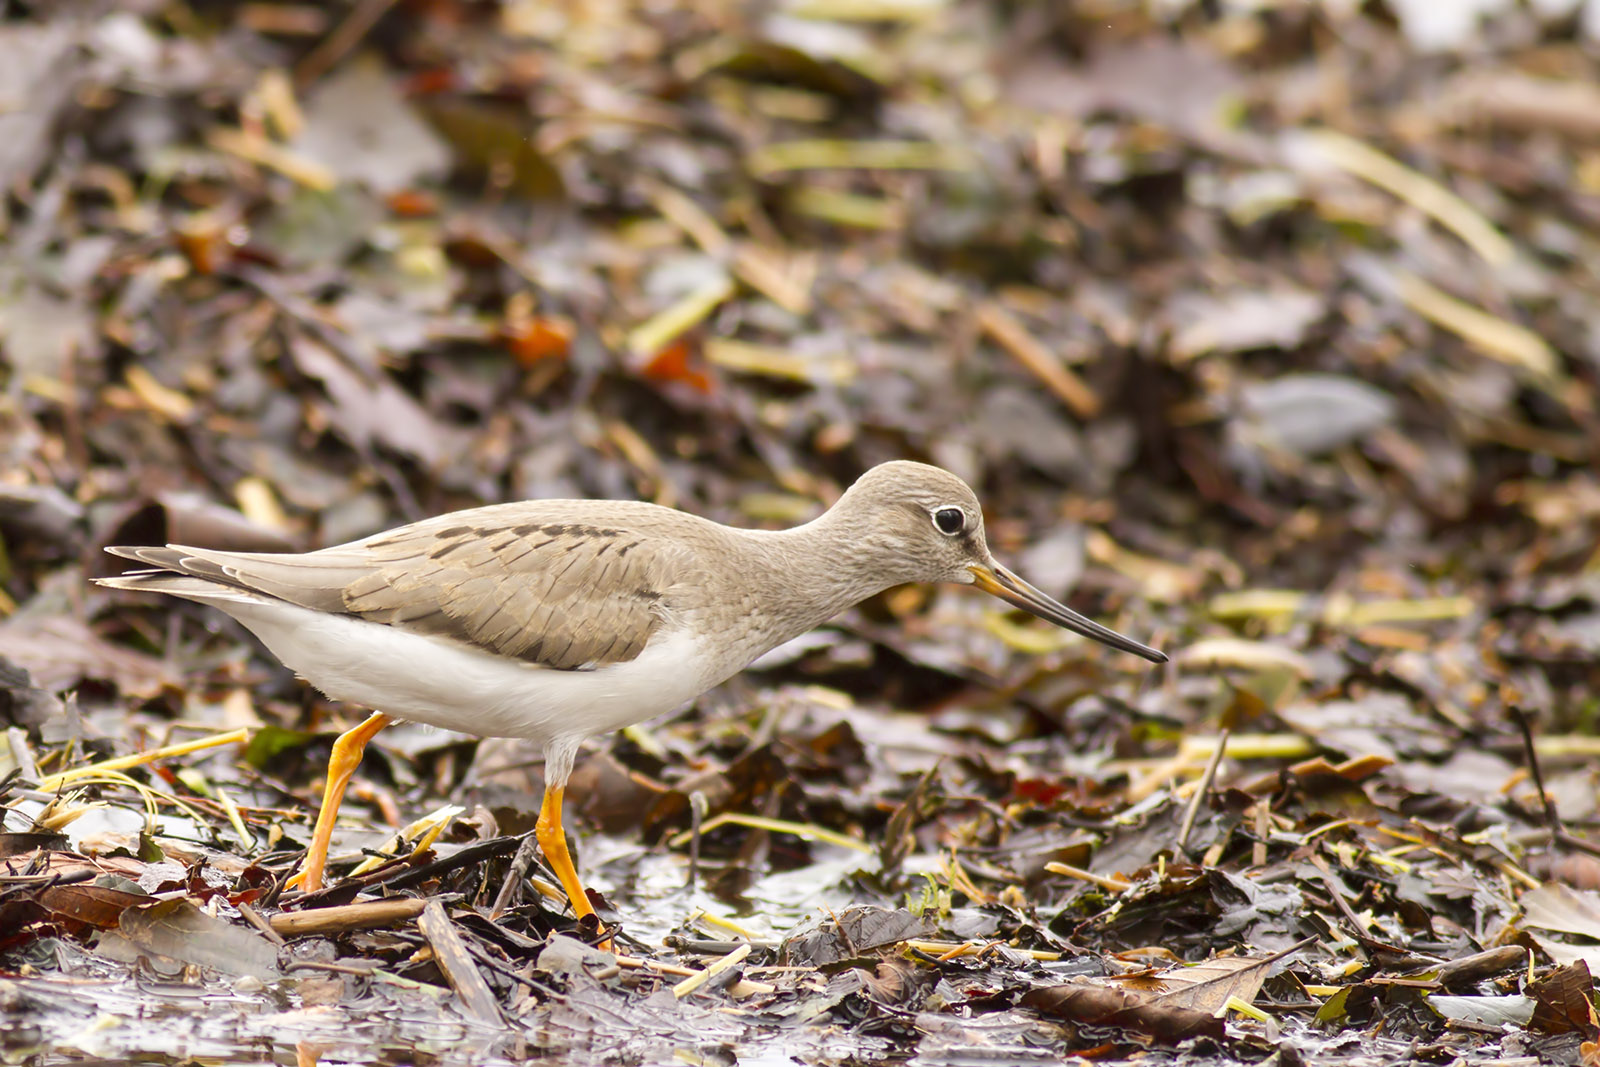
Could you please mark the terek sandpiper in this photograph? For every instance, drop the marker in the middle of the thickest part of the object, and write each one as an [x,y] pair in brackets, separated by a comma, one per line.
[557,620]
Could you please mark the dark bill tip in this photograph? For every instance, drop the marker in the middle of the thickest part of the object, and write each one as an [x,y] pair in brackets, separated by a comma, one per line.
[1007,586]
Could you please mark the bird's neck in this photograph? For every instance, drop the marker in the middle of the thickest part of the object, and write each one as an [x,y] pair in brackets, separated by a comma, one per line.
[817,570]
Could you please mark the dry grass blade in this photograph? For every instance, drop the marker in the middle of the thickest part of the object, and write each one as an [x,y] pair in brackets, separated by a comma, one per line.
[1214,652]
[254,148]
[1422,193]
[1493,336]
[1012,336]
[672,322]
[950,950]
[1116,885]
[848,209]
[52,782]
[772,361]
[731,960]
[784,280]
[774,159]
[683,212]
[423,832]
[804,831]
[1202,790]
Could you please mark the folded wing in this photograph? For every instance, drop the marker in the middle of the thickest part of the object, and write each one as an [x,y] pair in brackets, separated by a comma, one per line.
[558,594]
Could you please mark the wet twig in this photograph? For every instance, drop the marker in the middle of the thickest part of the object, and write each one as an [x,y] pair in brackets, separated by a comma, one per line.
[519,869]
[364,916]
[457,963]
[255,919]
[467,857]
[1552,818]
[1525,727]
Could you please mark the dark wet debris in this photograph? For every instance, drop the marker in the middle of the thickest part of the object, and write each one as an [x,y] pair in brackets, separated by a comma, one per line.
[1288,929]
[1266,333]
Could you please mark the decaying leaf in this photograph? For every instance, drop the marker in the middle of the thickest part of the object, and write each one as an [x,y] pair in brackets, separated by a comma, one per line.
[1105,1006]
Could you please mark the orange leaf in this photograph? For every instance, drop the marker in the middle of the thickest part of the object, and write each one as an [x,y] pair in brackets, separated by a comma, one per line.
[412,203]
[679,362]
[204,245]
[536,339]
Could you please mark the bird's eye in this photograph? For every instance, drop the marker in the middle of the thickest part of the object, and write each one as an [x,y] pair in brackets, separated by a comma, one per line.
[950,521]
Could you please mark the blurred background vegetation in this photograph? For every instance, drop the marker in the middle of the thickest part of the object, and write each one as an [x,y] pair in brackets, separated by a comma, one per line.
[1269,331]
[1206,299]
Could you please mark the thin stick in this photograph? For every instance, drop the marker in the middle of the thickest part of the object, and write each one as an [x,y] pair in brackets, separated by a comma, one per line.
[364,916]
[519,868]
[253,917]
[1181,845]
[635,963]
[949,950]
[344,37]
[1551,817]
[1116,885]
[1033,354]
[1578,844]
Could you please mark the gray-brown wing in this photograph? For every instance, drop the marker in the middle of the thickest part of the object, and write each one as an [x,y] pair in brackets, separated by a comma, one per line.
[559,594]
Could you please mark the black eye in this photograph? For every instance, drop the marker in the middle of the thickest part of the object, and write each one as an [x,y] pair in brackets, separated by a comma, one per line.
[950,520]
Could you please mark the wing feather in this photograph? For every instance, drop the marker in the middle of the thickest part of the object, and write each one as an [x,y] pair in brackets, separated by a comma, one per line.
[564,595]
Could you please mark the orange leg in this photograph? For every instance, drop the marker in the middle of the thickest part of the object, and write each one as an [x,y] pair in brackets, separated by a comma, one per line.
[553,843]
[347,750]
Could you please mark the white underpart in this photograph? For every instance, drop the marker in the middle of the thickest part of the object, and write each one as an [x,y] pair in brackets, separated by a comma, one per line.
[445,683]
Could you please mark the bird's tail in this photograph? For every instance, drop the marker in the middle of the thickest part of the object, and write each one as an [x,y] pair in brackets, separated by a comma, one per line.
[198,589]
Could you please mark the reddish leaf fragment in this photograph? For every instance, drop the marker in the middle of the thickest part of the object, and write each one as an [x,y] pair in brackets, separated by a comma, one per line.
[1040,791]
[679,362]
[412,203]
[430,81]
[96,905]
[537,339]
[205,244]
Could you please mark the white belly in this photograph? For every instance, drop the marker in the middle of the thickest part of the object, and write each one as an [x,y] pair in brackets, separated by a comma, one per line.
[443,683]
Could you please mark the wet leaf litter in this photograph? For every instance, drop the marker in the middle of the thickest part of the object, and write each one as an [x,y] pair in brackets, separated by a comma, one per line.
[1257,335]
